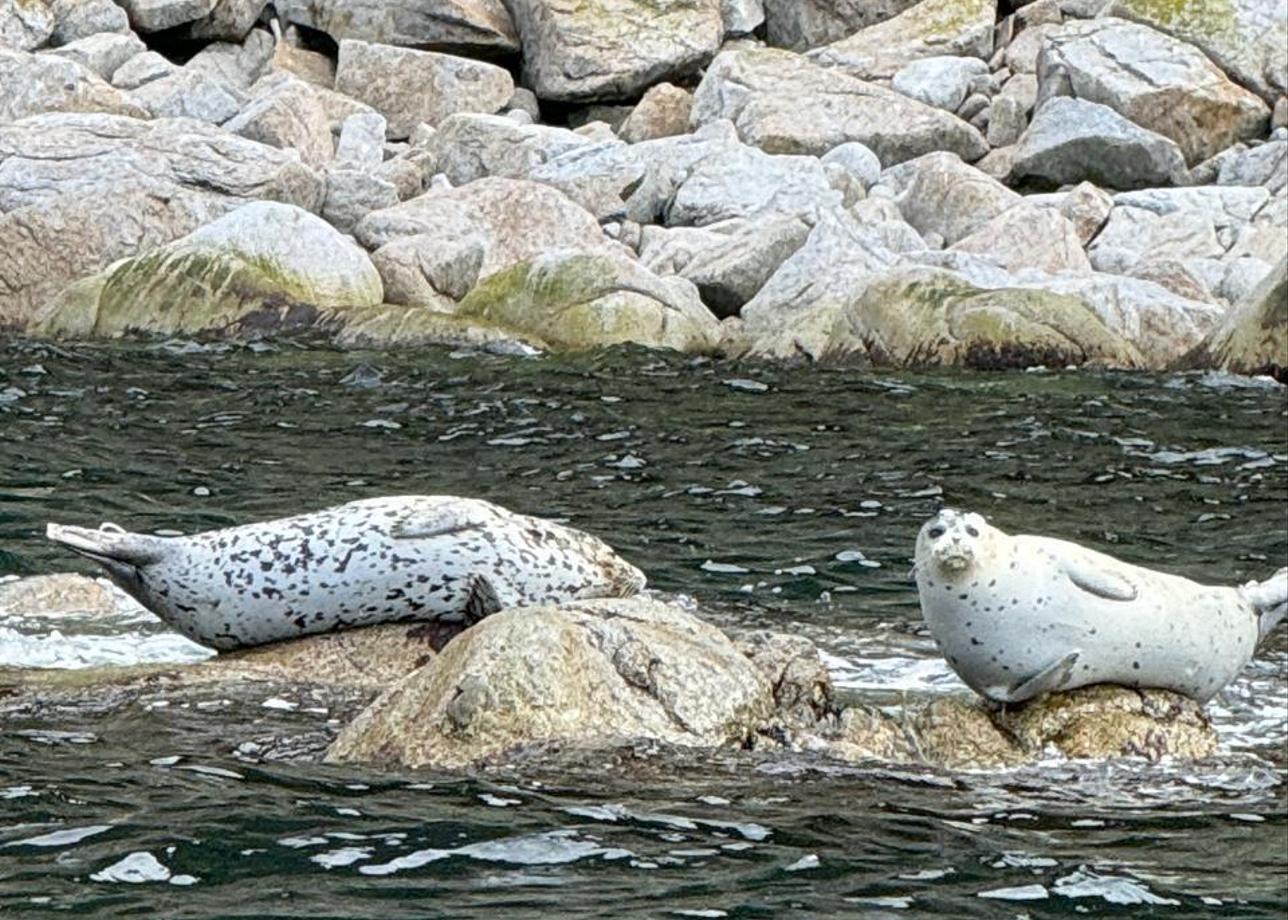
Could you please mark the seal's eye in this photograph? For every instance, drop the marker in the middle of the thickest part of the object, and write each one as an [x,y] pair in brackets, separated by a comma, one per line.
[935,532]
[972,531]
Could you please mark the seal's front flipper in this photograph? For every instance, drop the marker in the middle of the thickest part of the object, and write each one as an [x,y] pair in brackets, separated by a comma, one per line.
[1269,599]
[1097,580]
[443,522]
[1053,677]
[481,601]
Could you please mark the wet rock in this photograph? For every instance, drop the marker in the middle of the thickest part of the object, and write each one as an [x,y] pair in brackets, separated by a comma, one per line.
[140,69]
[951,198]
[409,87]
[265,265]
[1071,140]
[613,49]
[1252,338]
[941,81]
[1026,236]
[59,595]
[662,112]
[467,147]
[1243,37]
[82,18]
[961,735]
[469,25]
[433,249]
[577,300]
[799,25]
[784,103]
[285,112]
[729,262]
[593,672]
[1164,85]
[103,53]
[928,29]
[38,83]
[25,25]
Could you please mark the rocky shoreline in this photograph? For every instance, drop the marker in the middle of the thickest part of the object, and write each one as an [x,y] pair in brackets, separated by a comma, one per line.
[964,182]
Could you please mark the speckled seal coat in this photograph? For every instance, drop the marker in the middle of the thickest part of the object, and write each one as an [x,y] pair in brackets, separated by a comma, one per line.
[410,557]
[1017,616]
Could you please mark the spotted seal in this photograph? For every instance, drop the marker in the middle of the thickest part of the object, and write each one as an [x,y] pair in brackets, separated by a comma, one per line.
[414,557]
[1018,616]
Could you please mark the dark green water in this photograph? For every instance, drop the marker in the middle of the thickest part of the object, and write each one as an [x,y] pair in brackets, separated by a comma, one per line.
[788,474]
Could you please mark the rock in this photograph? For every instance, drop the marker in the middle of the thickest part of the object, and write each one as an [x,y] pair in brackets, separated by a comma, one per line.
[409,87]
[1252,338]
[103,53]
[1106,721]
[803,24]
[729,262]
[1026,236]
[433,249]
[613,49]
[160,15]
[744,181]
[1087,206]
[140,69]
[352,194]
[858,160]
[930,28]
[742,17]
[1279,117]
[576,300]
[948,197]
[1008,117]
[1164,85]
[285,112]
[468,147]
[405,173]
[25,25]
[957,734]
[37,83]
[1161,325]
[1022,53]
[55,596]
[591,673]
[187,94]
[1266,165]
[230,20]
[1176,276]
[361,143]
[784,103]
[310,66]
[1243,37]
[83,18]
[663,112]
[1071,140]
[235,67]
[79,191]
[524,100]
[263,264]
[475,26]
[942,81]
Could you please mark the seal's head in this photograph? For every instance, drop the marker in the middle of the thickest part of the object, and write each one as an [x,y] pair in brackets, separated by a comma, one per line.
[953,542]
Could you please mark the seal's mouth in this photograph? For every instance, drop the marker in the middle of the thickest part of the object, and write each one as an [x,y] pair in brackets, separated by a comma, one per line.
[954,561]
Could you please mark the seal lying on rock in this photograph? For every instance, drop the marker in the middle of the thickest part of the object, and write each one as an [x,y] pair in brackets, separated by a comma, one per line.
[1018,616]
[380,560]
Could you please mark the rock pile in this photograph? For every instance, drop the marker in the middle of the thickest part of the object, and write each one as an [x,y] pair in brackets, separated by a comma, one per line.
[942,181]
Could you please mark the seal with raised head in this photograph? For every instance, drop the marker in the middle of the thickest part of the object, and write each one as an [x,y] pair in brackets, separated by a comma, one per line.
[1018,616]
[414,557]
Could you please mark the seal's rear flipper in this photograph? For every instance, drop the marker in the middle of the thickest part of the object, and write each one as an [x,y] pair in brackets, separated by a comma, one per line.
[1269,599]
[481,601]
[120,552]
[1053,677]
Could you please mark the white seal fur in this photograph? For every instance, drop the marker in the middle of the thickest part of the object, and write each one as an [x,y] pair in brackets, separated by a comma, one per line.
[1018,616]
[381,560]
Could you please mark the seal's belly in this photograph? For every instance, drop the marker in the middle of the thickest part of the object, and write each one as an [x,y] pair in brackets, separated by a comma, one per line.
[1174,635]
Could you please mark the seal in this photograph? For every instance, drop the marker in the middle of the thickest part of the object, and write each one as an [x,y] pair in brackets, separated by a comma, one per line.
[416,557]
[1018,616]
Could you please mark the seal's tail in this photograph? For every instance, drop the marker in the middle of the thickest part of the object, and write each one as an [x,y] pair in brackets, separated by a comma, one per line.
[117,550]
[1270,599]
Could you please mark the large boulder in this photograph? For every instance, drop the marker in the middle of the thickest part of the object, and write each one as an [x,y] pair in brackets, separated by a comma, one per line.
[929,29]
[613,49]
[1164,85]
[785,103]
[37,83]
[285,111]
[79,191]
[743,181]
[468,146]
[185,93]
[473,25]
[1072,140]
[591,673]
[950,198]
[433,249]
[578,300]
[1029,237]
[1252,338]
[799,25]
[264,265]
[409,87]
[1244,37]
